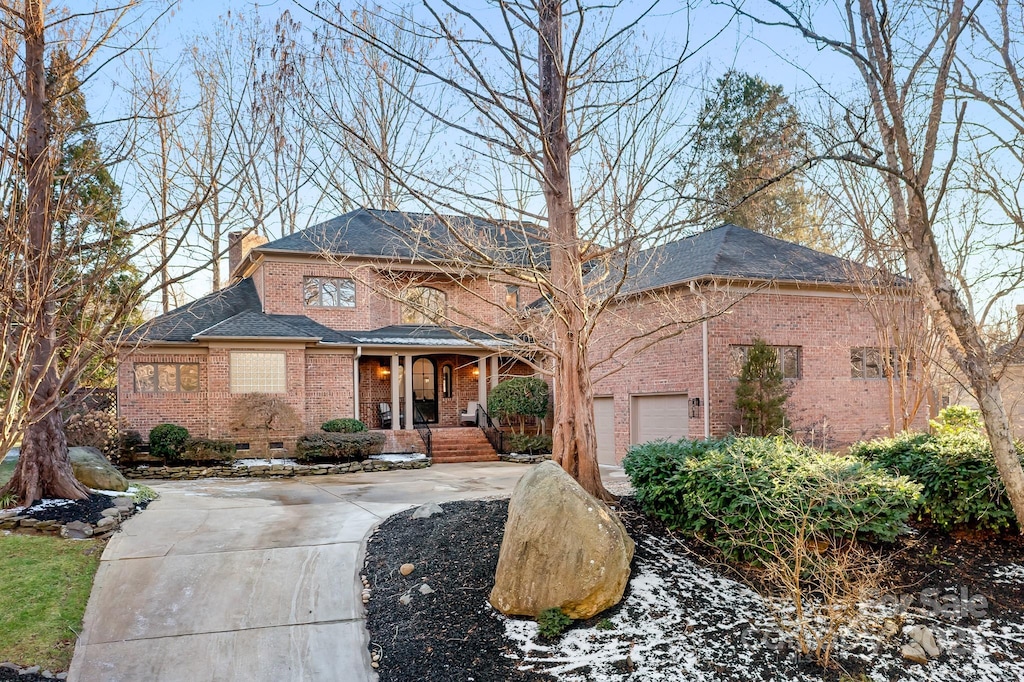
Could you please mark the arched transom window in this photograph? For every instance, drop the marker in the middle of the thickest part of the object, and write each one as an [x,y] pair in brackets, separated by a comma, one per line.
[424,305]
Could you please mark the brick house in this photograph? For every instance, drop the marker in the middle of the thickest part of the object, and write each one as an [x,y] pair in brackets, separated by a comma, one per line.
[805,303]
[368,315]
[362,316]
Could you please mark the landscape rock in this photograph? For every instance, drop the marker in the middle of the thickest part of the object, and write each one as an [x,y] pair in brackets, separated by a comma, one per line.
[914,652]
[425,511]
[406,599]
[95,471]
[406,569]
[123,503]
[426,589]
[77,530]
[562,548]
[30,670]
[111,511]
[106,522]
[923,636]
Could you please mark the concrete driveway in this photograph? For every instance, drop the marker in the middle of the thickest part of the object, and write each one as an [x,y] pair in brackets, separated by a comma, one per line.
[251,580]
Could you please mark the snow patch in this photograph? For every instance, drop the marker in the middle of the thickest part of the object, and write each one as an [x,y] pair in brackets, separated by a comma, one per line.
[399,457]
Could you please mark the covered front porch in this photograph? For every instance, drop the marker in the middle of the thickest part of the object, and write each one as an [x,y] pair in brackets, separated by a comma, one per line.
[438,388]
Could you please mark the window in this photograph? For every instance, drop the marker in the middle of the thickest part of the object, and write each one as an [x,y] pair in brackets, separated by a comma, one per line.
[329,292]
[446,381]
[254,372]
[424,306]
[166,377]
[870,363]
[512,297]
[789,360]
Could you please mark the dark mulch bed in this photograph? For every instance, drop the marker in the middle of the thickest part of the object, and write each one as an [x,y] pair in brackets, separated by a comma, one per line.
[88,510]
[8,675]
[453,635]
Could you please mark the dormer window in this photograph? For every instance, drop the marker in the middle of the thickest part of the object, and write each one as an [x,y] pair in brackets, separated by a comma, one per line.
[329,292]
[424,305]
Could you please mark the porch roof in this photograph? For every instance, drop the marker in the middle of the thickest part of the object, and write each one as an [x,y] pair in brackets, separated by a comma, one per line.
[429,335]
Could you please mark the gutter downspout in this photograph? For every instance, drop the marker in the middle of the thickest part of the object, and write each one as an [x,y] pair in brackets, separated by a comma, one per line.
[355,381]
[704,360]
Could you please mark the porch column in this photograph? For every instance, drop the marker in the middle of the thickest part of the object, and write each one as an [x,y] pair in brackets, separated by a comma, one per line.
[409,426]
[481,382]
[355,387]
[395,424]
[494,370]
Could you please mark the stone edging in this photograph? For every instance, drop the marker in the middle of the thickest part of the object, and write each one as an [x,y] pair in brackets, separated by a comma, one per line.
[524,459]
[189,473]
[76,530]
[34,670]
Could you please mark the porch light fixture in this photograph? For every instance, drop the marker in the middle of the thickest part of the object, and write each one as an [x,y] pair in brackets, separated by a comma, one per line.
[385,369]
[476,371]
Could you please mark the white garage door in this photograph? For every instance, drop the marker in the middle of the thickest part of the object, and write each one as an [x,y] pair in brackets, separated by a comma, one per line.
[604,416]
[659,416]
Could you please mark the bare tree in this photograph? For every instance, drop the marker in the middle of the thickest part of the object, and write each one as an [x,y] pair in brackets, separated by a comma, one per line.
[561,136]
[904,55]
[66,293]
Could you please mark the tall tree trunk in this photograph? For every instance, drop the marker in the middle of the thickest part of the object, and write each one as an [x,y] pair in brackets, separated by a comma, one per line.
[44,467]
[574,444]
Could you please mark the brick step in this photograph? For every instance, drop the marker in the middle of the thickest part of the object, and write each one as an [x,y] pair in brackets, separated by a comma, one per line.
[459,459]
[466,444]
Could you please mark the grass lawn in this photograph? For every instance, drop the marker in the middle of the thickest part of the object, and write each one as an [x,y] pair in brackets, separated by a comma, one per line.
[44,585]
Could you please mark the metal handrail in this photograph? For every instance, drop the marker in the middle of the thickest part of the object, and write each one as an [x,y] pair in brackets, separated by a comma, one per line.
[495,436]
[421,425]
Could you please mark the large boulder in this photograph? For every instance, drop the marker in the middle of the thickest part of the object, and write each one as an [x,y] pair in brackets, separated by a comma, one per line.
[88,464]
[562,548]
[95,471]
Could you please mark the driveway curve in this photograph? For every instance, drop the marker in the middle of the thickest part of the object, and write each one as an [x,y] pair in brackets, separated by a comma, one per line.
[254,579]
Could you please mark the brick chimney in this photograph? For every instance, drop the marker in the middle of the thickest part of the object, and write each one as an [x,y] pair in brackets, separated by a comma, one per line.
[239,246]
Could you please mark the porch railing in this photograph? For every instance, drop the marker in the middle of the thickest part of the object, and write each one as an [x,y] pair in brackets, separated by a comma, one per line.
[419,422]
[495,436]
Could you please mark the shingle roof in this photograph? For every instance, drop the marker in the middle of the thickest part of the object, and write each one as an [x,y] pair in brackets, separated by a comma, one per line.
[253,324]
[396,234]
[429,335]
[182,323]
[732,252]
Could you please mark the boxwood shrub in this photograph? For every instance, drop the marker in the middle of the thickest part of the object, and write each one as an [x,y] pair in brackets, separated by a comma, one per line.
[338,447]
[957,472]
[167,440]
[348,425]
[739,493]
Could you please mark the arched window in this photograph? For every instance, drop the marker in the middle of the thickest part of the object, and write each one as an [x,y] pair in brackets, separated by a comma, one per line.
[446,381]
[424,305]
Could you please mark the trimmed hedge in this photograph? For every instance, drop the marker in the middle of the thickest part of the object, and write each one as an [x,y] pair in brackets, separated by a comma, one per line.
[524,444]
[348,425]
[960,483]
[167,440]
[739,493]
[338,447]
[207,450]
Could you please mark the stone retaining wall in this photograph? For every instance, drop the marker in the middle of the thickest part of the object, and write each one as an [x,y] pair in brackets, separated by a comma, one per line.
[267,470]
[76,530]
[524,459]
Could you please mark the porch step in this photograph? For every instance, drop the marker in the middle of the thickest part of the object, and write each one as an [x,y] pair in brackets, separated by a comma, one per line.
[461,444]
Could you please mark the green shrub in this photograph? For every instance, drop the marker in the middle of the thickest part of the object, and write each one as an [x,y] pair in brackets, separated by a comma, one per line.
[522,443]
[339,447]
[519,397]
[207,450]
[343,426]
[955,420]
[761,392]
[167,440]
[960,483]
[553,623]
[741,493]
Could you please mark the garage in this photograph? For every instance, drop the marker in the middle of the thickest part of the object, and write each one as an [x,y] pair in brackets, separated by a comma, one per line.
[604,417]
[658,417]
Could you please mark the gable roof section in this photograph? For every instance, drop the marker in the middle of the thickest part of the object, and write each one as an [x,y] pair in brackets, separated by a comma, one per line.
[181,324]
[252,324]
[733,252]
[429,335]
[414,236]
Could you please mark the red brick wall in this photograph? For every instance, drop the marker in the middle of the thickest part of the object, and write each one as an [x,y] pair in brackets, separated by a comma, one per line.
[472,301]
[143,411]
[825,401]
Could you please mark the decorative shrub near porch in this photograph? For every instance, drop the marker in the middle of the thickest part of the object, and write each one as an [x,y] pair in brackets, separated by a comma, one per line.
[205,450]
[348,425]
[739,493]
[338,447]
[519,397]
[522,443]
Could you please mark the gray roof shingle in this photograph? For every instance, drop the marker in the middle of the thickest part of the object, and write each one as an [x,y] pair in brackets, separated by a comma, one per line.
[253,324]
[732,252]
[181,324]
[414,236]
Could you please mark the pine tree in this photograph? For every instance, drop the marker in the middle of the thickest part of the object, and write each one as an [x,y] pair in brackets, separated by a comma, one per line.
[761,393]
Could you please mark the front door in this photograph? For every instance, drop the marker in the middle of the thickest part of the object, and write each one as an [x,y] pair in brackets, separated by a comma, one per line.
[424,390]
